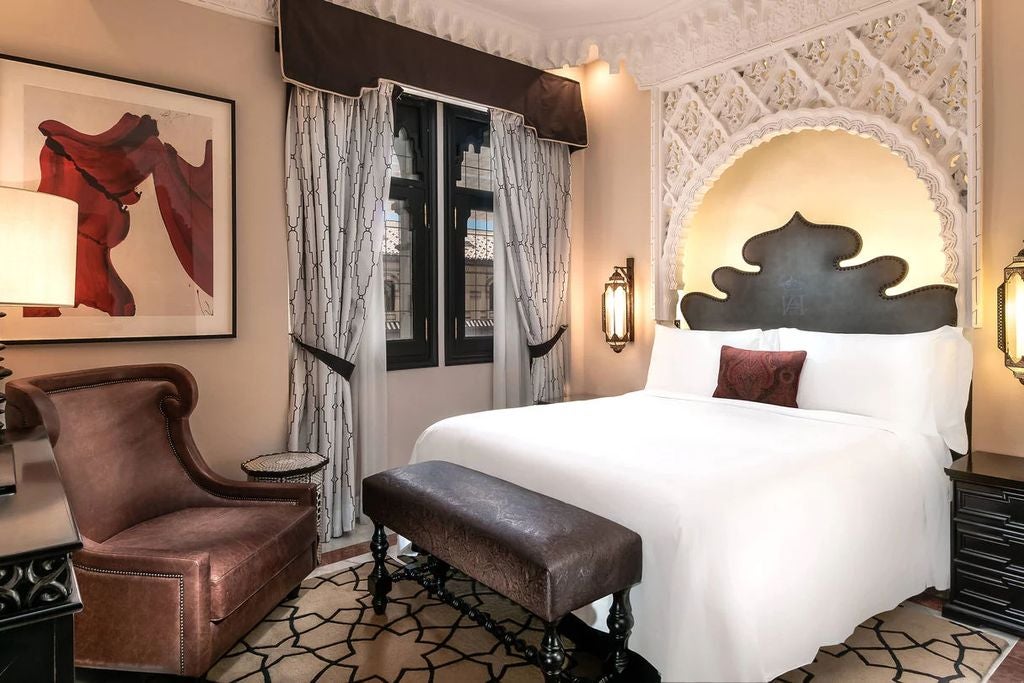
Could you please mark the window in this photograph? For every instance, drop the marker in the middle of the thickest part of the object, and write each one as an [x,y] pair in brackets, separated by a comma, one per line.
[469,237]
[459,176]
[410,269]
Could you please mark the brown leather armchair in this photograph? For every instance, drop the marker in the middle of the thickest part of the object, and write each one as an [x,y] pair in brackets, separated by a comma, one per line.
[179,563]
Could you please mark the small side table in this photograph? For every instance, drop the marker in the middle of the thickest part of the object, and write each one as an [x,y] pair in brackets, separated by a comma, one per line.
[292,466]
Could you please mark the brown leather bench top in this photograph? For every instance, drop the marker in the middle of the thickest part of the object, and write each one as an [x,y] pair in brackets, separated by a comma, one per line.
[548,556]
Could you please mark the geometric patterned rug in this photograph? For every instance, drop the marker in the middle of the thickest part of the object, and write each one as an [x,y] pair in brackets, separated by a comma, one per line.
[907,644]
[330,633]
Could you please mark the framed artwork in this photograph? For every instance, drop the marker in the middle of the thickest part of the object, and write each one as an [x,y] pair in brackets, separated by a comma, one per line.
[152,170]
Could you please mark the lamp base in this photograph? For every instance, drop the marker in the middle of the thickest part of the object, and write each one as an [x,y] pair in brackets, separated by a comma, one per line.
[8,482]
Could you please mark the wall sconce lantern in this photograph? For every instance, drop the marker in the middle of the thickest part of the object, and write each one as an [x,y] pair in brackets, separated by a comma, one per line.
[1010,305]
[617,307]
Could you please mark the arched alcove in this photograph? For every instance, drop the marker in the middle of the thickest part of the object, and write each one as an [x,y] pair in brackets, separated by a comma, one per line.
[831,177]
[923,165]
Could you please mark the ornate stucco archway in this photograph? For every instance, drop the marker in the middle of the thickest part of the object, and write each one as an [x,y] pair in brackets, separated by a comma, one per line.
[907,78]
[944,196]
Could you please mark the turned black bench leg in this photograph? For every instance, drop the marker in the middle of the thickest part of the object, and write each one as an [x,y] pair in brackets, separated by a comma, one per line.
[620,625]
[439,570]
[551,656]
[380,577]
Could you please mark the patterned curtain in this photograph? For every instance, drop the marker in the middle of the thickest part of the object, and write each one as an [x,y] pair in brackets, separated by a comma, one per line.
[531,202]
[338,173]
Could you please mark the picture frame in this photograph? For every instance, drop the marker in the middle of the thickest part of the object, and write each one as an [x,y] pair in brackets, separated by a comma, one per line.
[153,170]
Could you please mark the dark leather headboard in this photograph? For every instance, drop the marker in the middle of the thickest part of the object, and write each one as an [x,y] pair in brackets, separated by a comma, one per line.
[801,284]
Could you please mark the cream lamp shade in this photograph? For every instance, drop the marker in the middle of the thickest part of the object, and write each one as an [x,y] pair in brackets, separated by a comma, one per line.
[38,248]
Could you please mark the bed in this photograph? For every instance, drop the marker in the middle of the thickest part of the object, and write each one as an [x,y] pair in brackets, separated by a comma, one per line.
[768,531]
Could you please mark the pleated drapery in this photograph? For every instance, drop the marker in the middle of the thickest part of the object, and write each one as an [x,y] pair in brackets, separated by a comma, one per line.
[531,203]
[338,161]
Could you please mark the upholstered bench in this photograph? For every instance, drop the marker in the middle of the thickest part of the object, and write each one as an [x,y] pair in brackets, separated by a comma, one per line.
[547,556]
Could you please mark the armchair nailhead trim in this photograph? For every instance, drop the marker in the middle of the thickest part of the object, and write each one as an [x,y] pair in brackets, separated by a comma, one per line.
[181,602]
[105,384]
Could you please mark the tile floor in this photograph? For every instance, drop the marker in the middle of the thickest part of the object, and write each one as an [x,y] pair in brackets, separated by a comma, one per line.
[361,534]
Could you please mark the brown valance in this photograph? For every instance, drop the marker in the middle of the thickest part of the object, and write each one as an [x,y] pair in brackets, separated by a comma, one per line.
[328,47]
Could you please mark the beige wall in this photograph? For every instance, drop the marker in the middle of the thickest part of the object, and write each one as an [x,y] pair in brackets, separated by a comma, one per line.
[243,382]
[617,200]
[998,397]
[615,171]
[418,398]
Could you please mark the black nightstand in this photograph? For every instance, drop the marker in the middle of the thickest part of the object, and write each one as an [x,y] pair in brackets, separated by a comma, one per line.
[987,541]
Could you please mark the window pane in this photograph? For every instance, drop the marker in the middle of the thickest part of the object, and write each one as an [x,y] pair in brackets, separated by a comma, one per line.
[479,250]
[398,280]
[403,160]
[476,165]
[469,237]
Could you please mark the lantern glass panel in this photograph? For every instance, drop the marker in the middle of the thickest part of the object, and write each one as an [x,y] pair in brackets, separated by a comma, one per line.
[615,310]
[1015,317]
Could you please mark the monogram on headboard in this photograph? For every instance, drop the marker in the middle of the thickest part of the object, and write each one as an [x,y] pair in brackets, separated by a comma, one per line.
[792,296]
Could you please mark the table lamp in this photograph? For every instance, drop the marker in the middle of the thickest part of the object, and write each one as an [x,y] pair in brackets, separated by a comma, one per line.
[38,248]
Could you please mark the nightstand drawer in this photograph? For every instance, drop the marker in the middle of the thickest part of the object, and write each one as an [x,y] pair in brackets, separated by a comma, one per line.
[1000,507]
[989,547]
[988,592]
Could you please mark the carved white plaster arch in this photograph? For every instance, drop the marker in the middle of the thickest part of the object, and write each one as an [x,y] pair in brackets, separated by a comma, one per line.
[952,217]
[909,78]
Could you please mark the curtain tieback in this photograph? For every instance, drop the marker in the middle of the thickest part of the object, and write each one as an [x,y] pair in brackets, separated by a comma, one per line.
[336,363]
[543,349]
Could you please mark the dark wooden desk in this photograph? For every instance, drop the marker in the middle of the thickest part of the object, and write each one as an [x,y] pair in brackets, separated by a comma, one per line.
[38,594]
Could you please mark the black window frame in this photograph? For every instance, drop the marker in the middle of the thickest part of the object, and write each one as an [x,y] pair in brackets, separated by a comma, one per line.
[459,202]
[419,115]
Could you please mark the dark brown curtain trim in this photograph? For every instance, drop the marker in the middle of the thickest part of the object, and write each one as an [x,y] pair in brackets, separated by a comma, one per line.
[328,47]
[543,349]
[336,363]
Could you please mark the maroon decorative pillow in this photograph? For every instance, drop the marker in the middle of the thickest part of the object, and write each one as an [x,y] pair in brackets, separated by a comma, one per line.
[760,376]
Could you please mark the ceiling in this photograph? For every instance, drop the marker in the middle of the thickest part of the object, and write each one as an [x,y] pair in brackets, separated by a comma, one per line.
[660,41]
[562,15]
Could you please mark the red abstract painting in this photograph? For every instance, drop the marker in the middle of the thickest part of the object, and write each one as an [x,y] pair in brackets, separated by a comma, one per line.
[102,173]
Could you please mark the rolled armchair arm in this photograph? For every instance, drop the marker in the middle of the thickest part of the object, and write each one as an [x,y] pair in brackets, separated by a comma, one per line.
[232,490]
[281,492]
[125,592]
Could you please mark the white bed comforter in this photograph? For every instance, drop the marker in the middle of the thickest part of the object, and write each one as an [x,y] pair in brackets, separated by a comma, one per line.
[768,532]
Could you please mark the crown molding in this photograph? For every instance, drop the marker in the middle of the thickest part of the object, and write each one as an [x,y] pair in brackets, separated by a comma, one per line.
[672,45]
[262,11]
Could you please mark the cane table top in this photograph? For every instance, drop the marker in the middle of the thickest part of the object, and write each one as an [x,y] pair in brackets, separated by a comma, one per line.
[287,463]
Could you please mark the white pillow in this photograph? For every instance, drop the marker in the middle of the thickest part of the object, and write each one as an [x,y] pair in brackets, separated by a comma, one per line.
[921,380]
[686,361]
